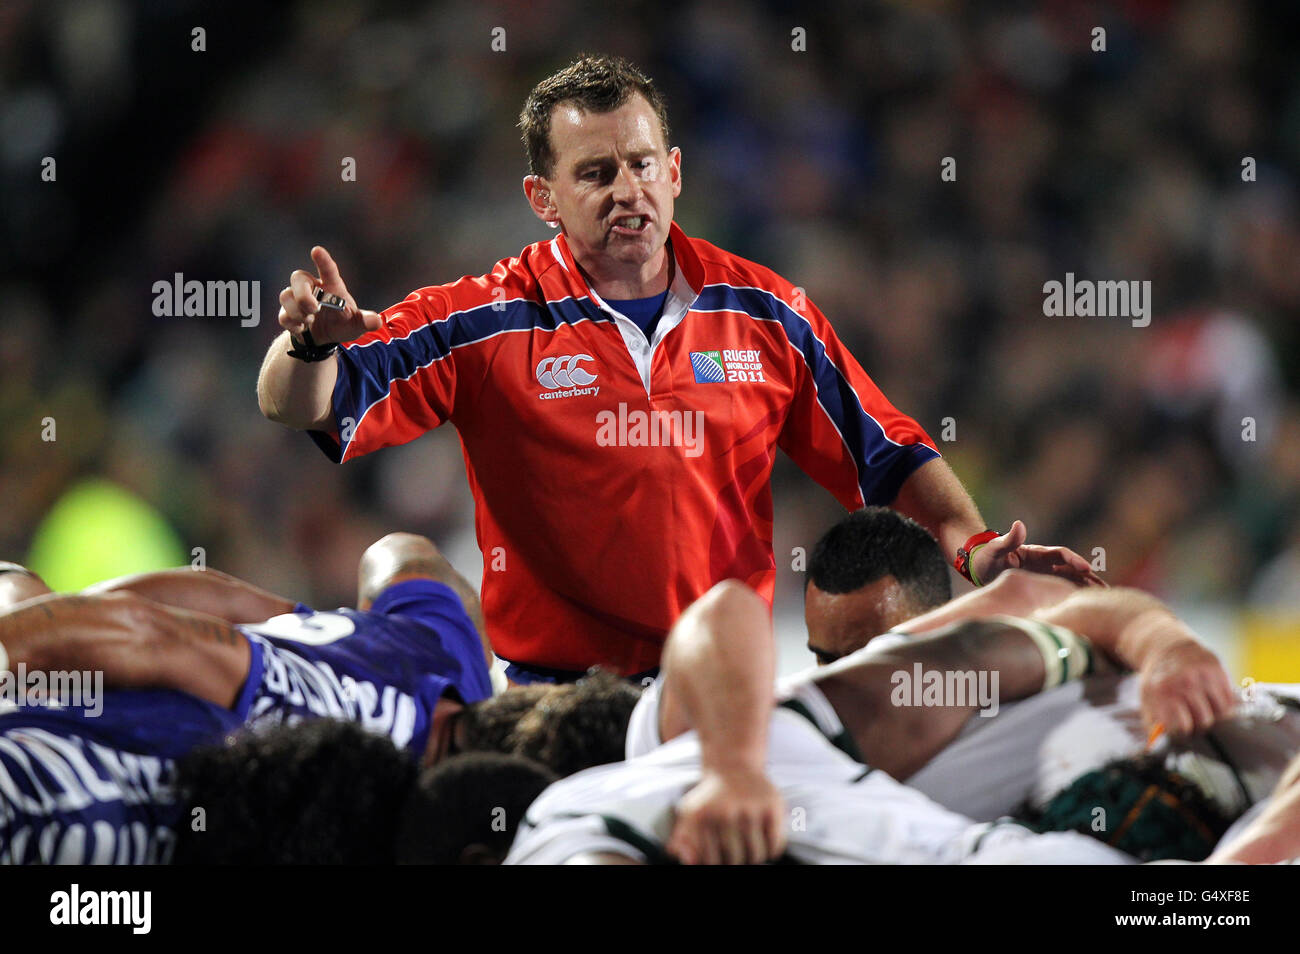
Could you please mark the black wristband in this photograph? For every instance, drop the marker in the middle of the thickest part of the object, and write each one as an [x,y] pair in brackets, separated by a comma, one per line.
[306,348]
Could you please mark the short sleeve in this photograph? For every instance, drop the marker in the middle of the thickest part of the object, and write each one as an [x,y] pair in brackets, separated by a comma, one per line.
[643,726]
[394,383]
[440,610]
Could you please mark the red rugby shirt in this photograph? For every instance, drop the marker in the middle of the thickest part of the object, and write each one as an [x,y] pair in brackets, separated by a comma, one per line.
[615,479]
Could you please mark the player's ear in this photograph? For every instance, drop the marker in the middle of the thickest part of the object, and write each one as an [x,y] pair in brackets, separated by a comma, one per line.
[675,170]
[538,191]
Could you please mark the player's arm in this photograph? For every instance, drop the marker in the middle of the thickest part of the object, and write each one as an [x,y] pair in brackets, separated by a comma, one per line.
[1013,593]
[409,556]
[718,666]
[1184,687]
[204,591]
[134,642]
[298,393]
[873,692]
[1132,629]
[1182,681]
[934,497]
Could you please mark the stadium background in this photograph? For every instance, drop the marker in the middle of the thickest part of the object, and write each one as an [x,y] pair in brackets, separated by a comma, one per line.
[824,164]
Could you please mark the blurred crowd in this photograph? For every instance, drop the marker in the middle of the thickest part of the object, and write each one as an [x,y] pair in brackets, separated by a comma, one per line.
[1171,452]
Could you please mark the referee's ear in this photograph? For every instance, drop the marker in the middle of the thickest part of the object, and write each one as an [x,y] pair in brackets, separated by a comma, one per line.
[675,170]
[538,192]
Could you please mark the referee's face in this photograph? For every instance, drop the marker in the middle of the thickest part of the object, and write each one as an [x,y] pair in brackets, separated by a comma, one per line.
[612,188]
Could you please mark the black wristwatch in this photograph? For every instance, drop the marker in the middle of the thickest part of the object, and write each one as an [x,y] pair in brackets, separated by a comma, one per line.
[306,348]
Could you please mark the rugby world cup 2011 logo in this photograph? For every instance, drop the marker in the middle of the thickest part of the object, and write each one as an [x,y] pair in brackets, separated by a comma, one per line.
[708,367]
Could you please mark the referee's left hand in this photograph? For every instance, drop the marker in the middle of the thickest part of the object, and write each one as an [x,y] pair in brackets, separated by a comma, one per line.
[1010,551]
[299,310]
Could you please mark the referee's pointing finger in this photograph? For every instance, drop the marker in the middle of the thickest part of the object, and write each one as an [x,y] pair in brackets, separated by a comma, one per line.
[330,279]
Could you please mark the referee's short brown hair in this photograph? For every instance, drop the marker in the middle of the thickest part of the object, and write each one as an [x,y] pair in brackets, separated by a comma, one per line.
[596,84]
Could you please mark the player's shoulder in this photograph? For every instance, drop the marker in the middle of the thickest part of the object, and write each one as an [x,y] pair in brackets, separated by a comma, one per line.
[324,632]
[492,297]
[724,268]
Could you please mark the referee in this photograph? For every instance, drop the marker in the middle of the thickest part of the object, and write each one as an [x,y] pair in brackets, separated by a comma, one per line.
[620,390]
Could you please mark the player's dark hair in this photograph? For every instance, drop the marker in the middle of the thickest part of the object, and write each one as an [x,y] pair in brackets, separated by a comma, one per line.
[321,792]
[585,725]
[467,809]
[876,542]
[1146,810]
[567,728]
[596,84]
[487,726]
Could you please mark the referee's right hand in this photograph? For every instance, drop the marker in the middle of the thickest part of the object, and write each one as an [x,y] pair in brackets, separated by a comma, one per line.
[299,309]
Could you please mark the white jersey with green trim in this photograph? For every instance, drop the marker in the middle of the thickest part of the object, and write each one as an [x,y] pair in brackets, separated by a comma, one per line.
[838,811]
[1034,748]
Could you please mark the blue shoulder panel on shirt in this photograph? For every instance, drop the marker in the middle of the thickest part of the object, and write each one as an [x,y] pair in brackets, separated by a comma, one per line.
[366,372]
[882,465]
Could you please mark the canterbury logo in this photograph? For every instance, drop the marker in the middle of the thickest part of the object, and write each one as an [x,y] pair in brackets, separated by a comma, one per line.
[563,372]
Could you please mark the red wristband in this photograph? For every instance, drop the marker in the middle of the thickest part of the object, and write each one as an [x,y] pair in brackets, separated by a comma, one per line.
[962,563]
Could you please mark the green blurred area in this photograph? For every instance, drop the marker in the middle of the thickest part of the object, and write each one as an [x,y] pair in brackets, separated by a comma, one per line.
[98,530]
